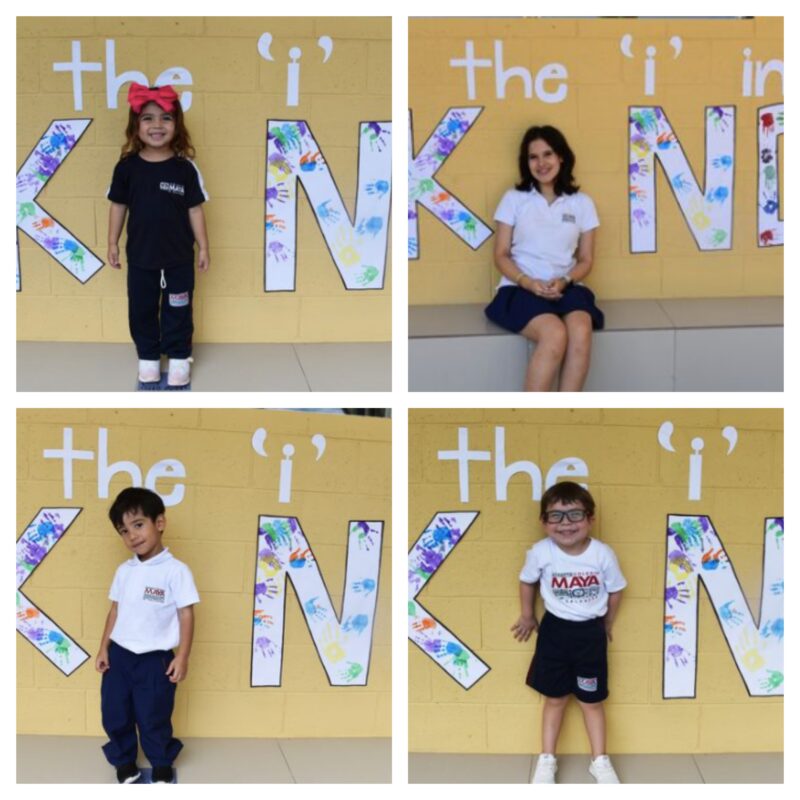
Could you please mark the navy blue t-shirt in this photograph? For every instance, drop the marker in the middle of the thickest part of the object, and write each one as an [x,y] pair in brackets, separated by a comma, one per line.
[158,195]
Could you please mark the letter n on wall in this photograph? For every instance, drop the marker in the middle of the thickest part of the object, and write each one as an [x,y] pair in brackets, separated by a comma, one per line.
[358,247]
[707,208]
[343,643]
[696,554]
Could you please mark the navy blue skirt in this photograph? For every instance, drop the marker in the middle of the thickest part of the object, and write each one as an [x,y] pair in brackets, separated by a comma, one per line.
[514,307]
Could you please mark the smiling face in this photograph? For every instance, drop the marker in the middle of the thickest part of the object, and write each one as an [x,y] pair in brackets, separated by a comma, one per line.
[572,536]
[156,127]
[543,162]
[141,534]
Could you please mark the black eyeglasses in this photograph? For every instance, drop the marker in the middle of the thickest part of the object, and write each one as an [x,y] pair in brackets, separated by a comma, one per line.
[573,515]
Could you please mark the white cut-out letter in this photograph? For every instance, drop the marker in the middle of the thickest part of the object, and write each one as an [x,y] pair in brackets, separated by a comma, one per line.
[708,210]
[437,541]
[49,154]
[770,224]
[358,248]
[343,643]
[695,553]
[424,190]
[35,544]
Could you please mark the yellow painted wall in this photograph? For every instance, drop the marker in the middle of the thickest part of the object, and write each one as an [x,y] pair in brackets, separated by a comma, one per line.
[214,530]
[636,484]
[235,91]
[602,84]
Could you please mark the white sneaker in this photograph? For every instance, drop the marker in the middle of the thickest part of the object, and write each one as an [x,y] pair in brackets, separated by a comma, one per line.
[603,770]
[149,371]
[546,768]
[180,371]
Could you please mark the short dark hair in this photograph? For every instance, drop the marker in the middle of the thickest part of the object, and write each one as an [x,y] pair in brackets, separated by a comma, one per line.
[567,492]
[132,499]
[565,182]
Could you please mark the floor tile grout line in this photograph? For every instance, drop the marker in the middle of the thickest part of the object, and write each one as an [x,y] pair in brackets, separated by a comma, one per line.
[286,759]
[300,364]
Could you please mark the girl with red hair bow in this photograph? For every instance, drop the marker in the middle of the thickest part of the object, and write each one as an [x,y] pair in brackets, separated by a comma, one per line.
[160,189]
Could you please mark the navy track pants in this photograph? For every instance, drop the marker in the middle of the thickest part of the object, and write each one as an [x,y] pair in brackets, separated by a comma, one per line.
[136,692]
[160,320]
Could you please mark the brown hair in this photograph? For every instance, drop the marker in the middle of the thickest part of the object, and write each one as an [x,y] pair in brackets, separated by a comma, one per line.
[566,493]
[181,143]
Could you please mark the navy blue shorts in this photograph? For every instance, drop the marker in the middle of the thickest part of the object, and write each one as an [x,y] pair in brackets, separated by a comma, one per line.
[514,307]
[570,658]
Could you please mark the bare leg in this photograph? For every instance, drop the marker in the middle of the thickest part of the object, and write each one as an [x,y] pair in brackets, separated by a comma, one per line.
[579,350]
[550,335]
[594,718]
[552,717]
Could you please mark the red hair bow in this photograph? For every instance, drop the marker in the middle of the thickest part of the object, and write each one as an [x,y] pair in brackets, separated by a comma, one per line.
[139,96]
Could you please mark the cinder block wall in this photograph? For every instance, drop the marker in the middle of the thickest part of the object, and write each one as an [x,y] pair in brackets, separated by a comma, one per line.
[636,484]
[602,84]
[234,91]
[214,530]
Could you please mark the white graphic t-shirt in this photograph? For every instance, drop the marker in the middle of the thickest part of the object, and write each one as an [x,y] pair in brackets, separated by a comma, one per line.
[574,587]
[148,595]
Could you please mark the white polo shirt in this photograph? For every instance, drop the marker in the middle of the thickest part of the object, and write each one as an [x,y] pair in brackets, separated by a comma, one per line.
[148,595]
[545,236]
[574,587]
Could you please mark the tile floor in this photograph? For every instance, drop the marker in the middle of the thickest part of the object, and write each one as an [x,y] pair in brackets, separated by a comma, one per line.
[67,759]
[716,768]
[347,366]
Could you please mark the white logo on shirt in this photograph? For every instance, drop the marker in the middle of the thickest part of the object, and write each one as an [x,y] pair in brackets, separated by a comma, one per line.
[172,188]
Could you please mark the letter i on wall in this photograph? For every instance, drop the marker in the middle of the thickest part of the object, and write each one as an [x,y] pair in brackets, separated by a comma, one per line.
[358,247]
[343,643]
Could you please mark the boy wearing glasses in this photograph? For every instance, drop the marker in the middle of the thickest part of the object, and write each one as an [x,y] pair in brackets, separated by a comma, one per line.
[581,586]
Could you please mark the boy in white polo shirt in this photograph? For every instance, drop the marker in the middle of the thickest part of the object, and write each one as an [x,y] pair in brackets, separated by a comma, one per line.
[152,596]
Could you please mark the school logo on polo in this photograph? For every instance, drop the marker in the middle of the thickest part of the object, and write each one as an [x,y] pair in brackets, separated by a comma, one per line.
[153,594]
[568,218]
[172,188]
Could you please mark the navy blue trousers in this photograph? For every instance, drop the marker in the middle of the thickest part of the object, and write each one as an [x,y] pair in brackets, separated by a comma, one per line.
[136,692]
[160,320]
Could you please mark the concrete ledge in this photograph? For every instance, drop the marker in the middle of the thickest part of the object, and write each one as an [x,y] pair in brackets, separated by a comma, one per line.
[647,345]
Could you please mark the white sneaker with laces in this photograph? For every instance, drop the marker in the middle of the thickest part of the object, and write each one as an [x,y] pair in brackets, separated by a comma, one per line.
[180,371]
[149,371]
[603,770]
[546,768]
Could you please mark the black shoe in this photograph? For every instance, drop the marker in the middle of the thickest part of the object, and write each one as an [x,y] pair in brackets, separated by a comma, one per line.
[163,775]
[128,773]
